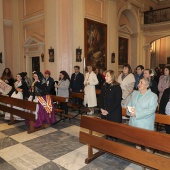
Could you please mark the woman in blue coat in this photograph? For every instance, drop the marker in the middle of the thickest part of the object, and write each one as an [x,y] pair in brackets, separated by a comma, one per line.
[142,106]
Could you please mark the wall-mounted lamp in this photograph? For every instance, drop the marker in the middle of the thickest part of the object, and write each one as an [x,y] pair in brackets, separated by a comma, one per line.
[113,57]
[42,57]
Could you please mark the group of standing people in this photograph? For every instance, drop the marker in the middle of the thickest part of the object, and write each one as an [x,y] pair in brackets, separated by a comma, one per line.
[140,92]
[137,91]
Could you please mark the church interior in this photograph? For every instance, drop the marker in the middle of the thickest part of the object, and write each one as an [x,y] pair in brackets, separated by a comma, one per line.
[57,35]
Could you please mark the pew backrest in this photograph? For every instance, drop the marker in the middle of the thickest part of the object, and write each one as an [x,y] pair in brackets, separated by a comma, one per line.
[13,105]
[150,139]
[58,99]
[77,95]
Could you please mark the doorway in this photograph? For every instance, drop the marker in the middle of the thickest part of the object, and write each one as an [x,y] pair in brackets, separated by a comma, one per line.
[35,64]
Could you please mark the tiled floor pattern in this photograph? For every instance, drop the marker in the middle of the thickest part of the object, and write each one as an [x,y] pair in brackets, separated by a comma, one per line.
[54,148]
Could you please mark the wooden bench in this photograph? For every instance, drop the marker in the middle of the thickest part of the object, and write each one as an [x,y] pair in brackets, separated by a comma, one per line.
[79,107]
[7,105]
[98,91]
[159,119]
[59,111]
[150,139]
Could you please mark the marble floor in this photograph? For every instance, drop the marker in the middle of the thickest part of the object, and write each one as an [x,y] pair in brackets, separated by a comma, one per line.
[54,148]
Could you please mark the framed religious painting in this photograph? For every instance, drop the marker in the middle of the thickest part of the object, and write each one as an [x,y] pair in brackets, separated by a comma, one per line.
[51,54]
[168,60]
[95,35]
[123,51]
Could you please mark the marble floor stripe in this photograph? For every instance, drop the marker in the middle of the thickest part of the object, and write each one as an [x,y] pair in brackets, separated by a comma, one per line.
[7,142]
[45,131]
[24,136]
[2,135]
[2,160]
[28,161]
[4,126]
[13,152]
[15,130]
[6,166]
[53,145]
[134,167]
[75,130]
[54,148]
[50,166]
[73,160]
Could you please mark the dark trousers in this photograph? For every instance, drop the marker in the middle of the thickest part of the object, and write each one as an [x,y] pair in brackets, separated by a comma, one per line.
[167,128]
[64,107]
[76,101]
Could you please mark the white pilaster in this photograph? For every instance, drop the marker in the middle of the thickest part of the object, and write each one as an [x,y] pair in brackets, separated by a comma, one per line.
[58,35]
[147,55]
[78,34]
[112,34]
[17,58]
[2,65]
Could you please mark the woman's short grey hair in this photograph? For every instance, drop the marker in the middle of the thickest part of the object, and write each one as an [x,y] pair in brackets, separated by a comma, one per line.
[148,82]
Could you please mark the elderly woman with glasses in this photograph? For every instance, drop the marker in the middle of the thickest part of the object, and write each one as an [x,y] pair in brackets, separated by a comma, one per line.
[142,107]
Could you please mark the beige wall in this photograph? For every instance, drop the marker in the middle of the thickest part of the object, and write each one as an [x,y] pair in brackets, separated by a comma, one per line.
[32,7]
[8,44]
[2,65]
[161,48]
[8,33]
[60,24]
[7,9]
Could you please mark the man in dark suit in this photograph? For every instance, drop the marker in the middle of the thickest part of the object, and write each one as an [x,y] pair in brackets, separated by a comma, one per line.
[77,82]
[49,82]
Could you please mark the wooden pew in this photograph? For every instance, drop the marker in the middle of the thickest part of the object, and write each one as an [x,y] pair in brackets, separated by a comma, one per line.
[58,111]
[162,119]
[27,113]
[79,107]
[150,139]
[159,118]
[98,91]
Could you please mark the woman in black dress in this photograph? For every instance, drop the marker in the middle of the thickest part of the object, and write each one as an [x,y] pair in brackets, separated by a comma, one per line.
[110,99]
